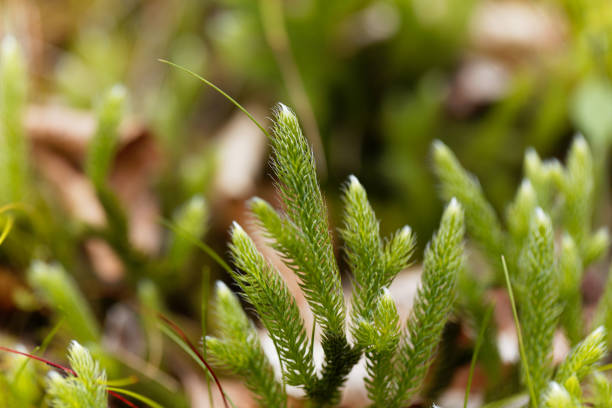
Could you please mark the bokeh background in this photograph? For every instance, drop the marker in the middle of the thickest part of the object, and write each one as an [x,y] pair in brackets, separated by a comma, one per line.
[374,82]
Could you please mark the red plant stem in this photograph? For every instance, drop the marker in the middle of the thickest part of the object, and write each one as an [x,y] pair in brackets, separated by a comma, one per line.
[122,399]
[183,336]
[67,370]
[42,360]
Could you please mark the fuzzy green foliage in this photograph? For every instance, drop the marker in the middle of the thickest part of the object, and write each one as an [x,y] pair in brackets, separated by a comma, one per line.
[482,222]
[267,292]
[61,292]
[570,190]
[302,236]
[596,246]
[307,246]
[85,389]
[570,271]
[558,397]
[538,297]
[548,287]
[104,143]
[518,214]
[545,177]
[578,191]
[238,349]
[582,361]
[567,192]
[382,334]
[13,146]
[443,261]
[396,362]
[584,357]
[374,263]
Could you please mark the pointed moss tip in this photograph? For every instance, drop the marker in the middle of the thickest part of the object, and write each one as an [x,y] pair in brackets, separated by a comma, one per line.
[283,111]
[385,295]
[221,288]
[600,331]
[255,202]
[406,231]
[439,148]
[540,216]
[526,186]
[353,183]
[453,206]
[237,230]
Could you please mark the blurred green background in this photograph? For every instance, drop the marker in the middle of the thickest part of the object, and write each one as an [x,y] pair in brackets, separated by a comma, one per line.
[374,82]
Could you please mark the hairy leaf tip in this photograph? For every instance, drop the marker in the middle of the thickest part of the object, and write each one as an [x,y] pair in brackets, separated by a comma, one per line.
[440,150]
[532,159]
[406,232]
[283,113]
[385,296]
[236,230]
[541,218]
[580,145]
[222,290]
[557,396]
[526,189]
[453,208]
[354,183]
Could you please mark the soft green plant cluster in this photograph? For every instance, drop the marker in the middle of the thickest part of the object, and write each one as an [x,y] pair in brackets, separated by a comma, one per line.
[397,358]
[581,362]
[546,273]
[86,388]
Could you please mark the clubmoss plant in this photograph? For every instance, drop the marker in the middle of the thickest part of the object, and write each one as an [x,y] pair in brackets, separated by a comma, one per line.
[397,360]
[482,223]
[86,388]
[238,349]
[566,194]
[581,362]
[83,384]
[552,199]
[538,297]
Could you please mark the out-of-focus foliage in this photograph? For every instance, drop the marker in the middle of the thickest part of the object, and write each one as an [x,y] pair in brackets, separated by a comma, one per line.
[381,78]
